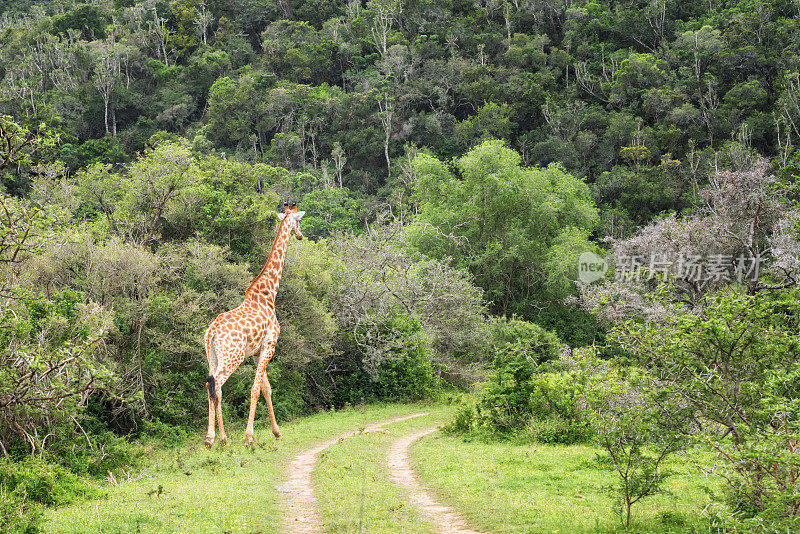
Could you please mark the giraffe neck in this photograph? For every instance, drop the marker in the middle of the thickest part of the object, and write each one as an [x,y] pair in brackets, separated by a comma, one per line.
[265,286]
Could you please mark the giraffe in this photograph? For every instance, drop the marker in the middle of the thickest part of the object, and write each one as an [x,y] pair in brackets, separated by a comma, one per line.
[251,329]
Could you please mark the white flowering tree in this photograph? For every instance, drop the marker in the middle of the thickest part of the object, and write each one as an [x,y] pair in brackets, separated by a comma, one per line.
[743,232]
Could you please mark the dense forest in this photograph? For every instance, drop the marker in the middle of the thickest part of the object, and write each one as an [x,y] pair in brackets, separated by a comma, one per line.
[455,160]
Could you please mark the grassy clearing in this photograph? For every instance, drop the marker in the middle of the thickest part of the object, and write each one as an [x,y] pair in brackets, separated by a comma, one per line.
[507,488]
[353,486]
[190,489]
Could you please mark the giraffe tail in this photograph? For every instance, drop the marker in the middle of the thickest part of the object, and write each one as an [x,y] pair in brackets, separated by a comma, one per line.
[212,388]
[211,385]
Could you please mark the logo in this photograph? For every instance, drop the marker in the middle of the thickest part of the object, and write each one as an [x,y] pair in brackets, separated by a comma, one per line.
[591,267]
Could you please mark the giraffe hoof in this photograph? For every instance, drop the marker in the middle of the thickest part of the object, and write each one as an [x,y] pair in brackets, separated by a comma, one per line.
[208,443]
[277,435]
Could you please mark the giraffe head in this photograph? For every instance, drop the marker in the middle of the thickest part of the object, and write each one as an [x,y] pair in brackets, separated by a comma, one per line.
[293,217]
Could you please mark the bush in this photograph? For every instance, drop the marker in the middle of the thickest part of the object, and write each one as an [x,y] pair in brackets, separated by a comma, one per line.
[18,517]
[388,360]
[557,429]
[107,452]
[739,356]
[463,423]
[28,485]
[520,350]
[169,435]
[408,379]
[532,396]
[44,483]
[53,357]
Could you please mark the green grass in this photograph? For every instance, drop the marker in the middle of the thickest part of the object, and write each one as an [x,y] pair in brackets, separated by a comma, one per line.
[235,489]
[353,486]
[508,488]
[498,487]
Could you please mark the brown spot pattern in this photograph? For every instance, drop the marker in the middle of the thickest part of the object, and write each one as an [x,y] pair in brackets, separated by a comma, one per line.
[250,329]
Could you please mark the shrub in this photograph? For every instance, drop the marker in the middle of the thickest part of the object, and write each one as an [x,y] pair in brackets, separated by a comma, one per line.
[556,429]
[532,395]
[18,517]
[387,360]
[739,356]
[463,423]
[102,452]
[43,482]
[28,485]
[520,350]
[636,432]
[53,358]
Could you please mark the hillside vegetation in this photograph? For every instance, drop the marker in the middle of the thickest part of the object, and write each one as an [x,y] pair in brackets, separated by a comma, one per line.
[457,162]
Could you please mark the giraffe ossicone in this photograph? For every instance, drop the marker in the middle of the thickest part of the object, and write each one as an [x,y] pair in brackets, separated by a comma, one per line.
[250,329]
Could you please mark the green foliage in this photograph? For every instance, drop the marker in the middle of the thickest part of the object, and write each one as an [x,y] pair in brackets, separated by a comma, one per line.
[491,122]
[639,196]
[308,328]
[184,15]
[43,482]
[18,142]
[395,363]
[106,150]
[89,20]
[331,210]
[557,405]
[54,357]
[636,434]
[531,396]
[408,374]
[29,484]
[354,110]
[735,365]
[224,206]
[504,222]
[98,451]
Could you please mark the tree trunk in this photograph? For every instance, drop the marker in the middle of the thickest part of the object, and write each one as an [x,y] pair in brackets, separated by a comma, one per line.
[105,109]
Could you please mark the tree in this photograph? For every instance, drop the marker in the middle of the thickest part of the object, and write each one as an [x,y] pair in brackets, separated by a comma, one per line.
[384,15]
[732,370]
[379,280]
[386,116]
[490,122]
[137,205]
[203,21]
[330,211]
[185,14]
[743,233]
[53,359]
[18,143]
[87,19]
[636,431]
[499,219]
[107,74]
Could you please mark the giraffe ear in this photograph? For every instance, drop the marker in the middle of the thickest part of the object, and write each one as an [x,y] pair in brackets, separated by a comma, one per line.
[298,215]
[281,216]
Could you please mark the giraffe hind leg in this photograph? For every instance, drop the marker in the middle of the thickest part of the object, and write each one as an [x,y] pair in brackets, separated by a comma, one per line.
[218,375]
[266,389]
[223,439]
[211,389]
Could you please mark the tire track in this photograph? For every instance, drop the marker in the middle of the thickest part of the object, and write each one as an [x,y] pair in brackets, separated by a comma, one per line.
[444,518]
[302,516]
